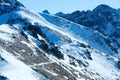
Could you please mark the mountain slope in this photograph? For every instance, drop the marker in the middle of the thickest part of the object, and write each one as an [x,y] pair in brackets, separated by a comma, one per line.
[103,18]
[87,45]
[50,47]
[13,69]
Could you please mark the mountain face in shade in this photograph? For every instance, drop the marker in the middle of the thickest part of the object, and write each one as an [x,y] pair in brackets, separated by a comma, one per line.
[8,5]
[41,46]
[103,18]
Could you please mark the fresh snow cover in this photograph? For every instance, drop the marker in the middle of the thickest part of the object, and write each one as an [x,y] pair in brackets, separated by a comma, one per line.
[6,28]
[17,70]
[75,33]
[6,32]
[31,15]
[6,37]
[67,36]
[37,18]
[104,65]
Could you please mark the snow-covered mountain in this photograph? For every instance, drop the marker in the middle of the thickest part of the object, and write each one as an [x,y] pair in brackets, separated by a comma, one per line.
[103,18]
[47,47]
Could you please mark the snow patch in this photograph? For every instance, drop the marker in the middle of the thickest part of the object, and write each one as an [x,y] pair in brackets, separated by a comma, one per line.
[7,28]
[6,37]
[17,70]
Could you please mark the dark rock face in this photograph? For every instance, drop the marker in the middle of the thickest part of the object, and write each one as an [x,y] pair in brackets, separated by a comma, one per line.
[1,59]
[3,78]
[46,11]
[8,1]
[103,18]
[8,5]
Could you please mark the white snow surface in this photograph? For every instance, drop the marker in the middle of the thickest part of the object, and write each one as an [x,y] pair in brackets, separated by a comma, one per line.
[6,32]
[67,36]
[6,37]
[17,70]
[101,63]
[7,28]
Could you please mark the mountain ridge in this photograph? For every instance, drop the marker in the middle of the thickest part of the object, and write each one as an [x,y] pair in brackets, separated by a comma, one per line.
[52,48]
[103,18]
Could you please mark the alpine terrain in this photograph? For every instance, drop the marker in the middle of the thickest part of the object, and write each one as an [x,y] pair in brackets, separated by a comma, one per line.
[43,46]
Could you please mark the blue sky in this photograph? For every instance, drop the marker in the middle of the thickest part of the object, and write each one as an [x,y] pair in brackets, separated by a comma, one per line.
[67,6]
